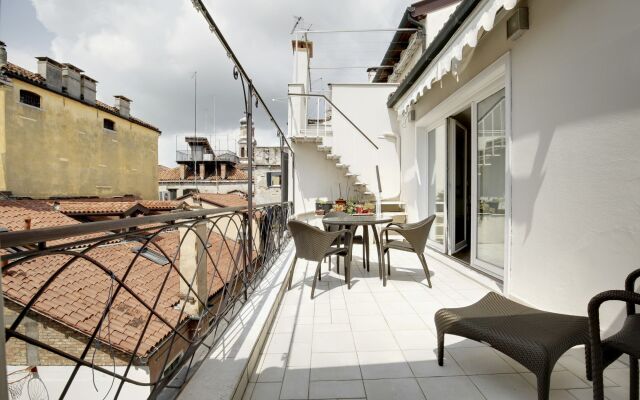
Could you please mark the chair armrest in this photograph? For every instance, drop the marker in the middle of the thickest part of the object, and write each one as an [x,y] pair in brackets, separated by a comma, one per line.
[390,229]
[630,282]
[598,300]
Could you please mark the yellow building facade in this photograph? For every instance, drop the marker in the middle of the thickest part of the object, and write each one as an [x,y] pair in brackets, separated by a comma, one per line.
[55,145]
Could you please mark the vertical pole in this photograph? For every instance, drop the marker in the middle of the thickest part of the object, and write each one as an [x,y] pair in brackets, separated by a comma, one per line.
[4,395]
[283,199]
[195,128]
[317,116]
[249,108]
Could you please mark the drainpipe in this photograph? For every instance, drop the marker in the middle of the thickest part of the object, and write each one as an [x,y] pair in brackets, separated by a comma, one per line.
[419,26]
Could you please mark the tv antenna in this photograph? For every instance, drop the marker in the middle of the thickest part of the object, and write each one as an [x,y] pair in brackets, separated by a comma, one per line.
[299,22]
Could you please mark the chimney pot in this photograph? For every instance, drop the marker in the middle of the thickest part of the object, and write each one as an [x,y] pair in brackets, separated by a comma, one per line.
[27,224]
[88,89]
[123,105]
[71,80]
[51,71]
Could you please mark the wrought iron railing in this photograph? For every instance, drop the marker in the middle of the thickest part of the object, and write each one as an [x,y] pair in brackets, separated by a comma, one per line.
[136,304]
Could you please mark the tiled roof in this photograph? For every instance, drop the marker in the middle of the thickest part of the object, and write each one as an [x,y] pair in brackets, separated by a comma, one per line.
[162,205]
[21,73]
[116,207]
[96,207]
[173,174]
[77,297]
[222,200]
[13,214]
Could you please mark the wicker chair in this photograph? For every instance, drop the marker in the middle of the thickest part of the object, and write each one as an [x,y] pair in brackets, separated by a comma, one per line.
[626,341]
[357,239]
[415,240]
[314,244]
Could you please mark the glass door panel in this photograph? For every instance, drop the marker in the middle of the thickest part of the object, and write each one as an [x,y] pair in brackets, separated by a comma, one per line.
[491,170]
[437,185]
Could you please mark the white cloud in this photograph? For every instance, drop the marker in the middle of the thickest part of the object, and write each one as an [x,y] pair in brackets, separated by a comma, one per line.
[148,50]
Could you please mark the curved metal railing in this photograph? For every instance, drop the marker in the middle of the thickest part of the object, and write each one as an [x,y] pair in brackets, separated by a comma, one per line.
[152,292]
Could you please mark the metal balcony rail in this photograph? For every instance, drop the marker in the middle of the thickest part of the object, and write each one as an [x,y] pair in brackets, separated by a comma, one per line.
[333,106]
[199,156]
[155,292]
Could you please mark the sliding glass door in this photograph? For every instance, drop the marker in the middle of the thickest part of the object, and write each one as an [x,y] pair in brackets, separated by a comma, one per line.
[437,186]
[491,199]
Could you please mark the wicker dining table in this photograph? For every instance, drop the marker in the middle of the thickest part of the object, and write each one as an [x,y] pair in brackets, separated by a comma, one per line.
[366,221]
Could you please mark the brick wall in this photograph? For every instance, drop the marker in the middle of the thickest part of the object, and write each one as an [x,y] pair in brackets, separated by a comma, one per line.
[55,335]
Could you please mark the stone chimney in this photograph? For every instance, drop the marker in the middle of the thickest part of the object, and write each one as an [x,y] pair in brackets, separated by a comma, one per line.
[223,171]
[123,105]
[88,89]
[202,170]
[302,53]
[71,80]
[3,54]
[183,171]
[193,267]
[51,71]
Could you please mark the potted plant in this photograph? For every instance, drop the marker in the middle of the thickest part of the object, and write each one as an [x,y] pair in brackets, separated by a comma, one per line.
[323,206]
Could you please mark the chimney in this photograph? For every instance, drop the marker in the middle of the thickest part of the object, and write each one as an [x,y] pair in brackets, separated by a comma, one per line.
[123,105]
[202,171]
[193,267]
[88,89]
[51,71]
[183,171]
[3,54]
[223,171]
[71,80]
[371,73]
[27,224]
[302,53]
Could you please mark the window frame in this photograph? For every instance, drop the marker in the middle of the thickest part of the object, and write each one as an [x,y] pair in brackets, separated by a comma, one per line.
[104,123]
[29,92]
[270,175]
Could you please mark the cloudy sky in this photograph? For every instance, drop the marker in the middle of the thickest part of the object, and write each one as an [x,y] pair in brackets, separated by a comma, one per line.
[149,49]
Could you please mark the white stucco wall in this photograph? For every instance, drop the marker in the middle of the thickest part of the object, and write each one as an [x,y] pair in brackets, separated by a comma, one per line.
[576,152]
[574,155]
[365,105]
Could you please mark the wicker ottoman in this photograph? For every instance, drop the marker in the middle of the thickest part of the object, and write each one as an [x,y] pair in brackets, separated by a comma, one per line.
[534,338]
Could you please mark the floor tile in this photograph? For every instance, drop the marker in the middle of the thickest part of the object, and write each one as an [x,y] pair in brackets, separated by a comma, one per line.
[266,391]
[416,339]
[336,389]
[279,343]
[334,366]
[295,384]
[332,342]
[271,368]
[450,388]
[300,355]
[392,389]
[383,364]
[424,363]
[504,387]
[368,323]
[375,341]
[480,360]
[559,380]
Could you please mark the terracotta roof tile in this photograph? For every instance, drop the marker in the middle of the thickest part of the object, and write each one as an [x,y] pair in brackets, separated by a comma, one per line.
[78,295]
[22,73]
[173,174]
[95,207]
[222,200]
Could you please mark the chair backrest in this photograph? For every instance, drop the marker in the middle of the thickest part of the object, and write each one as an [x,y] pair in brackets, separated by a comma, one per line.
[417,233]
[311,243]
[331,214]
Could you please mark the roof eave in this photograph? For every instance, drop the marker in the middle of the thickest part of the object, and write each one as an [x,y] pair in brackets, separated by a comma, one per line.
[439,42]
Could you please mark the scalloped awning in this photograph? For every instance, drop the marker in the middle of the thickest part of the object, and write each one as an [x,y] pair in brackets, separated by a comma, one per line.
[482,18]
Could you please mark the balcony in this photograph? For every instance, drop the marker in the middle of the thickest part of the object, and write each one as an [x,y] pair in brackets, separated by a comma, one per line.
[378,342]
[199,156]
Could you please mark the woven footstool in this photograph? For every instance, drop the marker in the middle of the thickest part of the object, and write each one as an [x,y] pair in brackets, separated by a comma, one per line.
[534,338]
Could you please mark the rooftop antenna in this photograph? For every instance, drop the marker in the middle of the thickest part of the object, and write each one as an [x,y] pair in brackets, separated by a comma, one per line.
[195,128]
[298,20]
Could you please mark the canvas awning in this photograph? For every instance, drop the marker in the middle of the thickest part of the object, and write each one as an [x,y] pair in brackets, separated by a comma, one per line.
[482,19]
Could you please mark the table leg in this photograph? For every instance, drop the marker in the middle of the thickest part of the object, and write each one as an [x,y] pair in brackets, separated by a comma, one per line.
[380,256]
[365,247]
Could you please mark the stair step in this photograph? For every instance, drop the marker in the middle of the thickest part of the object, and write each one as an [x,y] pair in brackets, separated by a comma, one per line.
[324,148]
[332,156]
[350,174]
[359,184]
[306,139]
[340,165]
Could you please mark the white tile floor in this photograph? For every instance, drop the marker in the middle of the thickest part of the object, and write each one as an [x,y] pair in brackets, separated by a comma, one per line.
[378,342]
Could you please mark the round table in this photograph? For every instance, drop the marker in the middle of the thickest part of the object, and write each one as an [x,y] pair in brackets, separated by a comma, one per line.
[366,221]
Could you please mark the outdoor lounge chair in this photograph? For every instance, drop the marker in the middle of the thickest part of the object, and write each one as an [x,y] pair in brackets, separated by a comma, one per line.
[314,244]
[626,341]
[534,338]
[415,239]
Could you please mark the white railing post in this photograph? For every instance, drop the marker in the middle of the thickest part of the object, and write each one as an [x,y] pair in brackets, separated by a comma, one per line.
[324,117]
[317,116]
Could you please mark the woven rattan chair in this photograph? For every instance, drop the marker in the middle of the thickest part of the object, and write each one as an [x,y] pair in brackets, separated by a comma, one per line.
[415,240]
[357,239]
[534,338]
[626,341]
[314,244]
